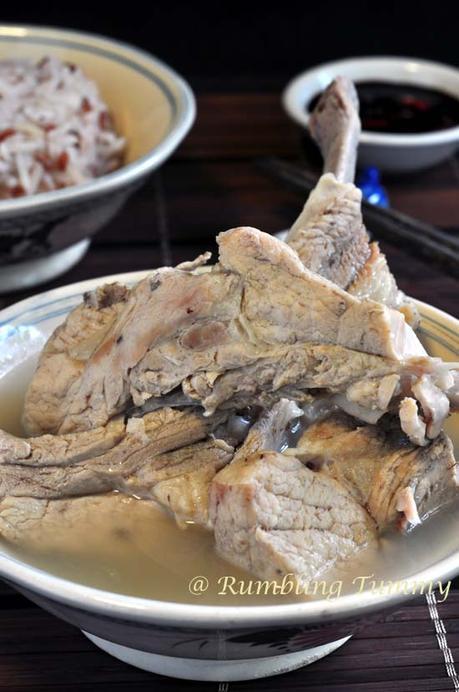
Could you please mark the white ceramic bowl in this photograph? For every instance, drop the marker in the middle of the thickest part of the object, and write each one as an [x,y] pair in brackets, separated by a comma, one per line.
[153,108]
[193,641]
[395,153]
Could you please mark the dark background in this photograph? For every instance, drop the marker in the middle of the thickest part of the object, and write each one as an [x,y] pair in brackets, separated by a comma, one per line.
[234,42]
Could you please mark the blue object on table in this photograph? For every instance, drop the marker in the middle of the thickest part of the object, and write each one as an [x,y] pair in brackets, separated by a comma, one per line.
[369,182]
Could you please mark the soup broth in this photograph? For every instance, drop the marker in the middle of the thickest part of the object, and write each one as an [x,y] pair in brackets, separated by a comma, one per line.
[131,546]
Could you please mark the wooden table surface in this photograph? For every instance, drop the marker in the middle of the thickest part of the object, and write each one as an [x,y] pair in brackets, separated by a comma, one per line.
[213,183]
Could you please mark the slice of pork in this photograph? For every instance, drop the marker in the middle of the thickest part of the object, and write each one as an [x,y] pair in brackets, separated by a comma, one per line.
[63,357]
[381,468]
[275,517]
[180,480]
[219,334]
[329,234]
[60,527]
[62,450]
[164,456]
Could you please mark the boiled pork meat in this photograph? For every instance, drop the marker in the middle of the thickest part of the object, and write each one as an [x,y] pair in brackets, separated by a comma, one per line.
[381,468]
[227,342]
[166,455]
[275,517]
[329,234]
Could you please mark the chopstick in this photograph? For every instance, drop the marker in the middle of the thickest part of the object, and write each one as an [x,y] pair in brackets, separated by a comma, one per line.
[388,224]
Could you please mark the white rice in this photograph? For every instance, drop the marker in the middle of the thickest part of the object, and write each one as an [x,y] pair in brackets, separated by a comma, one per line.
[55,130]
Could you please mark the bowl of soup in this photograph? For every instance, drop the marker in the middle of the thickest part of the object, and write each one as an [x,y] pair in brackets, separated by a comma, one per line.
[409,108]
[85,120]
[154,593]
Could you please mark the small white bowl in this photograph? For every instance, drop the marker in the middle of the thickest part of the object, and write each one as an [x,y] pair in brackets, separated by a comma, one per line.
[395,153]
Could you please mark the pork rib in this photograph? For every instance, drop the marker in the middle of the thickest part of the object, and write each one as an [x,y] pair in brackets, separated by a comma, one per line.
[62,359]
[218,333]
[335,126]
[220,336]
[329,234]
[166,455]
[378,465]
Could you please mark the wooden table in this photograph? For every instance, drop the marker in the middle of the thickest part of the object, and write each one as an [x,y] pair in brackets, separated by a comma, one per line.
[213,183]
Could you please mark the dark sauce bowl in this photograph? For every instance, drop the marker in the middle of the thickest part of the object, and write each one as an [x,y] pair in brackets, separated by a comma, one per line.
[402,108]
[409,108]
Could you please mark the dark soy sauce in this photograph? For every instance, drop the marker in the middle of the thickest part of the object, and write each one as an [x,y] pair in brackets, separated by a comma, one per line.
[403,108]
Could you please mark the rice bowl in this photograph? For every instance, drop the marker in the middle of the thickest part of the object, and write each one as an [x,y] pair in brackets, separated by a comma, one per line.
[42,235]
[56,129]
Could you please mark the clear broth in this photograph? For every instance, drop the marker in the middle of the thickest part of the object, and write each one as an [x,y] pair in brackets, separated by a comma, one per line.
[131,546]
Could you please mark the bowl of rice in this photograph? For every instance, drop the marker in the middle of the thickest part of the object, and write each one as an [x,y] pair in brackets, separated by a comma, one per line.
[83,121]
